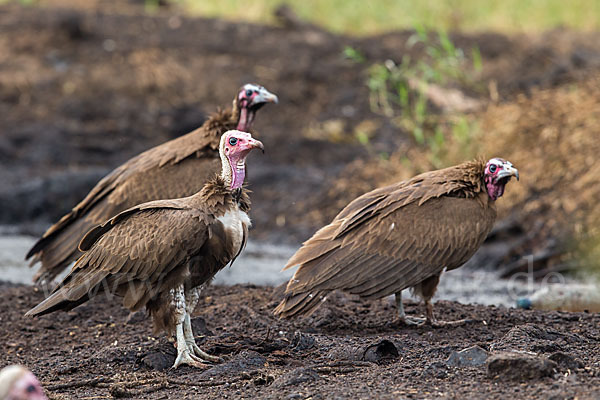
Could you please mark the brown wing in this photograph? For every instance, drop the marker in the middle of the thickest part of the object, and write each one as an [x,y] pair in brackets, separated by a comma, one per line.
[385,241]
[174,169]
[135,255]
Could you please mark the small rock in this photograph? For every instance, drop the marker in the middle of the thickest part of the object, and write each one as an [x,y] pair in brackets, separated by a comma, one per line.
[159,361]
[470,357]
[566,361]
[296,377]
[437,370]
[245,361]
[383,350]
[302,341]
[519,366]
[263,380]
[294,396]
[199,327]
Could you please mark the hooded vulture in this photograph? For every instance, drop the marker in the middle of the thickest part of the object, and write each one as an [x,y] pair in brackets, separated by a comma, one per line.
[399,236]
[18,383]
[160,254]
[174,169]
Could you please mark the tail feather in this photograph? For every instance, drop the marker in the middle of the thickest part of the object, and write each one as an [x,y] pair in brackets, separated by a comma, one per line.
[54,303]
[58,251]
[294,305]
[75,289]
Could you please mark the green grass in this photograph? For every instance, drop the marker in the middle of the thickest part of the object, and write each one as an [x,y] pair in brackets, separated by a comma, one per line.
[368,17]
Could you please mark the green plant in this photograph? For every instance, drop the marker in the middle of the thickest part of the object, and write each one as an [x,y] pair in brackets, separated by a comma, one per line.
[401,91]
[351,53]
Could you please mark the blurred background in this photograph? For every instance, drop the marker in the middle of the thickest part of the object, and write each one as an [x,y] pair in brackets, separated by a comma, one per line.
[370,93]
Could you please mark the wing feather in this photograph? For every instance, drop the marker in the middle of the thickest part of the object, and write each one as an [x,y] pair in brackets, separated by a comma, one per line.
[142,244]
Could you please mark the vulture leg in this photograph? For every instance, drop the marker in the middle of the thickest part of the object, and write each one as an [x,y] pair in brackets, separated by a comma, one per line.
[191,300]
[184,354]
[402,316]
[426,290]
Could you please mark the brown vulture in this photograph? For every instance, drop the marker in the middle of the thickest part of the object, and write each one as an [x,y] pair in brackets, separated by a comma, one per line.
[174,169]
[18,383]
[399,236]
[160,254]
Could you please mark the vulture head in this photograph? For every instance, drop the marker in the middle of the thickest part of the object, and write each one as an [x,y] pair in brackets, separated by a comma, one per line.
[250,98]
[234,148]
[18,383]
[496,175]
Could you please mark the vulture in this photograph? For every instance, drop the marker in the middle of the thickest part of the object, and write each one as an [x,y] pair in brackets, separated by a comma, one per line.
[18,383]
[177,168]
[160,254]
[399,236]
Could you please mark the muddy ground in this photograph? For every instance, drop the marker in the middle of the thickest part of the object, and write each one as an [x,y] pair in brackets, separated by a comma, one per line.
[86,85]
[348,349]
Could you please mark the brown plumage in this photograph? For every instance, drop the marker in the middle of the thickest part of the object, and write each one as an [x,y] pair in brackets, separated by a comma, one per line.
[399,236]
[177,168]
[159,254]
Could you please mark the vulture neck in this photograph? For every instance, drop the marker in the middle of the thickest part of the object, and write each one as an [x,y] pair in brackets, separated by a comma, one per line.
[242,116]
[233,170]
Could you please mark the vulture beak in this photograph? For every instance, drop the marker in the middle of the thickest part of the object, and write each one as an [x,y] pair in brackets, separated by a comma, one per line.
[508,171]
[255,144]
[264,96]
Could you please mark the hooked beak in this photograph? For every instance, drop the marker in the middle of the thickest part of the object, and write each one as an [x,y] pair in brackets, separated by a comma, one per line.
[256,144]
[508,171]
[264,96]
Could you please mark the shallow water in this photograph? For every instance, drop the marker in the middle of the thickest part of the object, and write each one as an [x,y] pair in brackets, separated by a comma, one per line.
[261,264]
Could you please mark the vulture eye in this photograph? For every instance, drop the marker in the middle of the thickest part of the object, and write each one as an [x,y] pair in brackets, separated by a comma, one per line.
[493,168]
[233,141]
[31,389]
[248,93]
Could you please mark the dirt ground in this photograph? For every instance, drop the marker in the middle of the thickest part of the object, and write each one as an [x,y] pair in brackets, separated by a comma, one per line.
[86,85]
[348,349]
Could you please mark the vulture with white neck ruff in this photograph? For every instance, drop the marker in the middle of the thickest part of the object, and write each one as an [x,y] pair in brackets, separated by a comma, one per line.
[399,236]
[174,169]
[160,254]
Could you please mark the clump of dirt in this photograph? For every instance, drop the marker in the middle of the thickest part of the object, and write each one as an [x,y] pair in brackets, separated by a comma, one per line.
[347,349]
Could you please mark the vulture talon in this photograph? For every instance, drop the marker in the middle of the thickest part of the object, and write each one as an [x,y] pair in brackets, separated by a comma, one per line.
[197,351]
[185,357]
[442,324]
[412,321]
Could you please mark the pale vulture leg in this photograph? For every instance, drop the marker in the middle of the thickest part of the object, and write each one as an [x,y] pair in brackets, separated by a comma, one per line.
[191,300]
[185,355]
[402,316]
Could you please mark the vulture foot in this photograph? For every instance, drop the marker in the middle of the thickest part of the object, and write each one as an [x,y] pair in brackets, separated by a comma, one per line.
[185,357]
[433,322]
[187,350]
[440,324]
[412,321]
[191,343]
[202,354]
[186,354]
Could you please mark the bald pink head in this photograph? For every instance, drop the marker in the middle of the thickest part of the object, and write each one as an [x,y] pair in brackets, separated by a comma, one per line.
[251,97]
[18,383]
[234,148]
[497,174]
